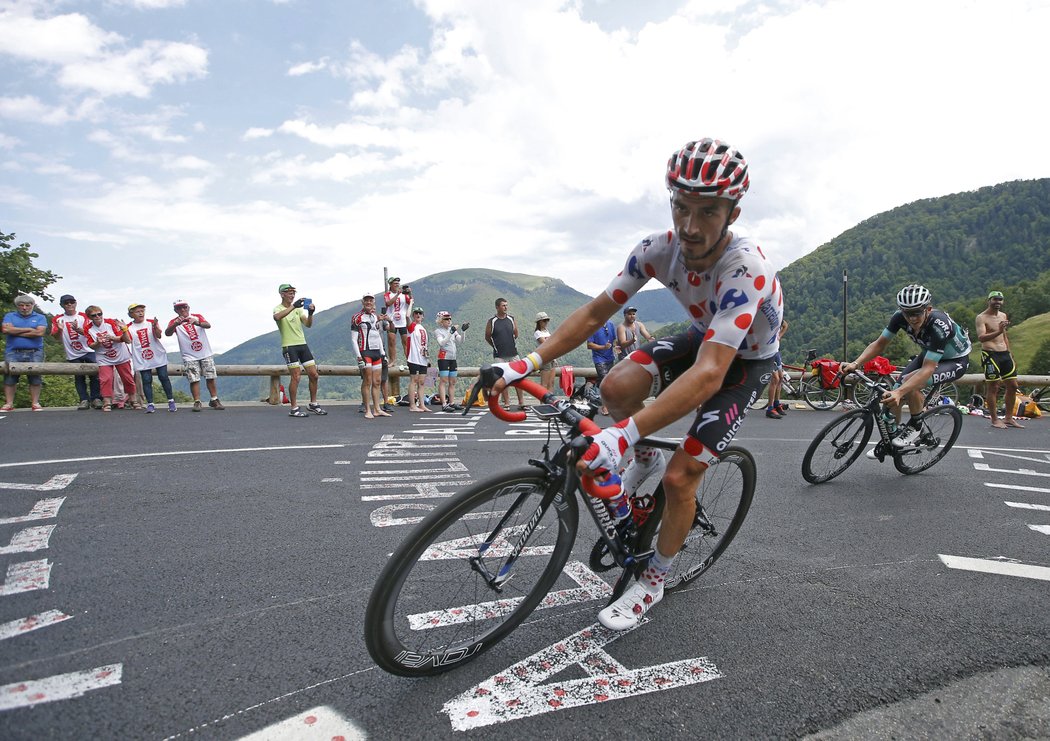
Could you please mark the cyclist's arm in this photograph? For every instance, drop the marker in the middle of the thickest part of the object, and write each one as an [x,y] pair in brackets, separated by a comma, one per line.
[575,330]
[869,352]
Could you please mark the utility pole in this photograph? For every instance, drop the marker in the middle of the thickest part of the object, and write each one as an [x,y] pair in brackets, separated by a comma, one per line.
[845,303]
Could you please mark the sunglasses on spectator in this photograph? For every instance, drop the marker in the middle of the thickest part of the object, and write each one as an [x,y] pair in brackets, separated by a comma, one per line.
[95,316]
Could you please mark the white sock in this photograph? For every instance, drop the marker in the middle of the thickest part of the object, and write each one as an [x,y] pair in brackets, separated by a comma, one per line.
[656,571]
[646,461]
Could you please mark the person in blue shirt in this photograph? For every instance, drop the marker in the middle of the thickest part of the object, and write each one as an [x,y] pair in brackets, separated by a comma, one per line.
[601,345]
[23,343]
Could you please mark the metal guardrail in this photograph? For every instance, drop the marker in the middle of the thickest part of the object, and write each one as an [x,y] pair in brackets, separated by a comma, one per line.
[276,372]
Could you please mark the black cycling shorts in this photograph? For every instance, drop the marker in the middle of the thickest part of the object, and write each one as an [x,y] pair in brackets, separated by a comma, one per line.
[718,420]
[998,365]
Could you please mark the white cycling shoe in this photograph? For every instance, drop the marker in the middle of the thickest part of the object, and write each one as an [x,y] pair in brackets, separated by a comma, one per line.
[907,436]
[628,611]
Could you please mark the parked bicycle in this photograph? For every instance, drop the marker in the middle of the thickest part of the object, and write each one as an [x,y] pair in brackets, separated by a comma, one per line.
[819,392]
[480,563]
[841,442]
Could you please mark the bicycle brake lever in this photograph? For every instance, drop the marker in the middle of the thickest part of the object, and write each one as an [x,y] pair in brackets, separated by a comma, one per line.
[475,391]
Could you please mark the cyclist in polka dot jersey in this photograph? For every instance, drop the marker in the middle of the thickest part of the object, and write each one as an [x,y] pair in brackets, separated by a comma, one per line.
[719,366]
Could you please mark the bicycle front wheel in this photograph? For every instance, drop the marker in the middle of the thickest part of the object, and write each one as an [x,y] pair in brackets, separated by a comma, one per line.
[722,502]
[862,392]
[940,428]
[835,447]
[817,396]
[453,588]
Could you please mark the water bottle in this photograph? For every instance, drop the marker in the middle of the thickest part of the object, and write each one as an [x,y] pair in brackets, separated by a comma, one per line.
[888,420]
[619,505]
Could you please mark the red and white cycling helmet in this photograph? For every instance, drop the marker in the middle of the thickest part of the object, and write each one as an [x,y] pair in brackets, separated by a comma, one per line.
[913,296]
[709,167]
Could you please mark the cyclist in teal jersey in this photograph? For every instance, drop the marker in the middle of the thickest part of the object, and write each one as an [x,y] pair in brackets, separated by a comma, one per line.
[944,355]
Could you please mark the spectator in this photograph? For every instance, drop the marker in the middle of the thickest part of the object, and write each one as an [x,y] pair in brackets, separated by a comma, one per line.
[627,333]
[501,332]
[197,357]
[448,337]
[398,302]
[418,356]
[110,340]
[24,343]
[71,326]
[290,315]
[775,409]
[543,320]
[148,354]
[367,340]
[601,346]
[999,366]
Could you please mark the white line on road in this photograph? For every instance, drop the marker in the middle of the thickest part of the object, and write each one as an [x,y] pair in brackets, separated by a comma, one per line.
[1044,529]
[989,566]
[1025,505]
[58,687]
[1019,488]
[55,483]
[1020,471]
[158,454]
[27,576]
[29,539]
[44,509]
[321,723]
[14,628]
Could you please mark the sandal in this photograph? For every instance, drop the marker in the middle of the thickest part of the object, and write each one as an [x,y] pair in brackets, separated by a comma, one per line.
[107,408]
[37,408]
[7,408]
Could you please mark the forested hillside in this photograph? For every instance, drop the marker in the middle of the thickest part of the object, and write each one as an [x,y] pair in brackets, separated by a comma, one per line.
[960,246]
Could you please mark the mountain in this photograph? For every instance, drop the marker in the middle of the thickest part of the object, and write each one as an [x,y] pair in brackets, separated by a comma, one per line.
[469,295]
[959,246]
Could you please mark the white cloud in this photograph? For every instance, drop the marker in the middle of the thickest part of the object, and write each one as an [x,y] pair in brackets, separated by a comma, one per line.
[91,59]
[306,68]
[8,142]
[32,109]
[257,133]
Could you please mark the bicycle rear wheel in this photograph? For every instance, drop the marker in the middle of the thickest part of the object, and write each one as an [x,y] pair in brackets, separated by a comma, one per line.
[433,608]
[817,396]
[940,428]
[835,447]
[722,502]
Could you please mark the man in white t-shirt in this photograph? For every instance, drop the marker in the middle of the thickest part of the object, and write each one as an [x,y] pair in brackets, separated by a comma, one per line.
[148,355]
[197,357]
[71,325]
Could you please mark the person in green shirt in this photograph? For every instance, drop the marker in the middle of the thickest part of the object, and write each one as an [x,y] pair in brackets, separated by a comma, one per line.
[291,314]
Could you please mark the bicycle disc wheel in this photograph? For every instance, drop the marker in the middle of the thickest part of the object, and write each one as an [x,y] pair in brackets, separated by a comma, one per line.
[819,397]
[835,447]
[722,502]
[432,609]
[940,428]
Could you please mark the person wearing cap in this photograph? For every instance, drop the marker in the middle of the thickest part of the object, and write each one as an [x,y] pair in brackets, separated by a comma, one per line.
[418,355]
[366,341]
[398,307]
[542,332]
[110,340]
[998,361]
[291,315]
[70,324]
[627,333]
[448,337]
[23,343]
[148,354]
[197,357]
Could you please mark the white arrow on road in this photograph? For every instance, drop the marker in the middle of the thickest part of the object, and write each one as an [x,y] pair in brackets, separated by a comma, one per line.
[55,483]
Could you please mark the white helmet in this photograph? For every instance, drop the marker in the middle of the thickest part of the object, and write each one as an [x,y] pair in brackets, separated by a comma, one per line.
[913,296]
[709,167]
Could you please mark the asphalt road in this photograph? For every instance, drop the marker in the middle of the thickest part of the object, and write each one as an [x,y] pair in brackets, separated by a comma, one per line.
[205,576]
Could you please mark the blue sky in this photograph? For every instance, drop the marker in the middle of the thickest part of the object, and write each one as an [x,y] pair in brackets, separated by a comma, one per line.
[212,149]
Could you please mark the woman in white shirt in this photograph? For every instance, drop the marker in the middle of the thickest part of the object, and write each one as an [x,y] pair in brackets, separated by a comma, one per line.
[540,335]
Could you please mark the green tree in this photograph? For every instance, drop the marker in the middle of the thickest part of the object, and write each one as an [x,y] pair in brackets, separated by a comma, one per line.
[1040,363]
[18,274]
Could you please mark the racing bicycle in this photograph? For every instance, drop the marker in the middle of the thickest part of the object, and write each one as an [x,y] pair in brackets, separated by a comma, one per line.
[841,442]
[808,388]
[480,563]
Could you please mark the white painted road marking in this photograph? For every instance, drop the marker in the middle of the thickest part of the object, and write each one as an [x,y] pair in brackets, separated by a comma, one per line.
[165,453]
[27,576]
[1021,471]
[33,622]
[28,540]
[990,566]
[55,483]
[44,509]
[1024,505]
[1037,489]
[58,687]
[1044,529]
[518,691]
[321,723]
